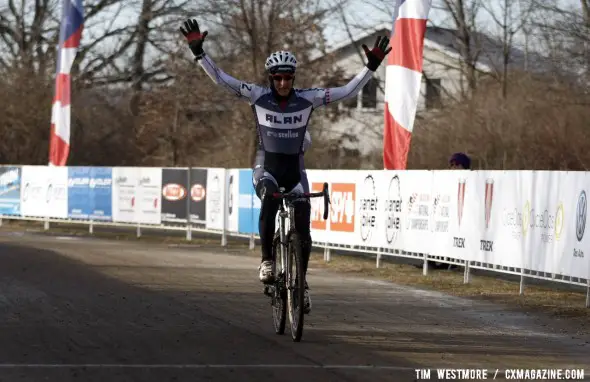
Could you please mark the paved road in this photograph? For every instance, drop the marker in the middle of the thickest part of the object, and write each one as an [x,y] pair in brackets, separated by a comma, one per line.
[77,309]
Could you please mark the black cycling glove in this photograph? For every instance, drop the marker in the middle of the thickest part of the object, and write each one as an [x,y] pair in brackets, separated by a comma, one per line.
[378,53]
[194,37]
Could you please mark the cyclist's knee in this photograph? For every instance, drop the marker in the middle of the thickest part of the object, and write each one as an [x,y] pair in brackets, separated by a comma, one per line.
[264,189]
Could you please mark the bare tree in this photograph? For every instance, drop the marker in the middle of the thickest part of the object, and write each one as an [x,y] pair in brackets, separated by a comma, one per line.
[564,32]
[510,18]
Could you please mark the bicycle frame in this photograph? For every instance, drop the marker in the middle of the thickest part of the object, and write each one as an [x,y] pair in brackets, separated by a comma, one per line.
[286,220]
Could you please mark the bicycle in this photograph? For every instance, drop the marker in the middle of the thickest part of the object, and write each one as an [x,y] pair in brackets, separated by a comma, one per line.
[281,289]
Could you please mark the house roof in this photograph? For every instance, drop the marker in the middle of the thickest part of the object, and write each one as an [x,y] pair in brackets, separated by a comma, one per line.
[489,50]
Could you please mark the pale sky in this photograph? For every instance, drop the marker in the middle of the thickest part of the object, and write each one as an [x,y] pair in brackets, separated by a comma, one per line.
[358,12]
[361,12]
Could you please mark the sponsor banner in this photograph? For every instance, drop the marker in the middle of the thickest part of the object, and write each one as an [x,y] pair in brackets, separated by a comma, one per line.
[453,224]
[543,217]
[44,191]
[571,247]
[531,219]
[136,195]
[393,209]
[248,203]
[342,226]
[232,197]
[215,198]
[125,190]
[501,236]
[101,192]
[57,192]
[416,191]
[10,182]
[198,195]
[149,196]
[34,188]
[89,193]
[175,196]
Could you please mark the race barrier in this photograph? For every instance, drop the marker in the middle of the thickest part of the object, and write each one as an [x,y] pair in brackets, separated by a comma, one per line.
[529,223]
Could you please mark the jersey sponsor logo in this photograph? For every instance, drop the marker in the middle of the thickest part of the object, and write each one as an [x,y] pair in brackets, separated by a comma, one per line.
[284,120]
[287,134]
[294,120]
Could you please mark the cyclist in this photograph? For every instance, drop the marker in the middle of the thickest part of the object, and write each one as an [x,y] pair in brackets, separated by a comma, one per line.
[282,114]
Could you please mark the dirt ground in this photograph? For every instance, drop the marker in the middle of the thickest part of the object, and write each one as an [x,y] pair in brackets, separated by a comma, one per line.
[94,309]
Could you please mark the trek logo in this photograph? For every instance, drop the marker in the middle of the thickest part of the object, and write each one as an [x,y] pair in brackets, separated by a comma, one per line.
[459,242]
[486,245]
[286,120]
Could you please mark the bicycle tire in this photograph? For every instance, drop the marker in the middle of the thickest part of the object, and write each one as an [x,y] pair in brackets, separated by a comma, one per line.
[279,296]
[296,294]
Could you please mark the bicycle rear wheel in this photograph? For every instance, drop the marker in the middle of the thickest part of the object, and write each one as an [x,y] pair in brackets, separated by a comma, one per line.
[295,285]
[279,295]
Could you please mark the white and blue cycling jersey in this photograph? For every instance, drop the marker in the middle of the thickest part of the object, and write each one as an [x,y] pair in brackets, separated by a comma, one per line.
[282,128]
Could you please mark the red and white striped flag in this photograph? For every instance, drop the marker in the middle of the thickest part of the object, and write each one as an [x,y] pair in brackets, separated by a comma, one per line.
[72,24]
[403,76]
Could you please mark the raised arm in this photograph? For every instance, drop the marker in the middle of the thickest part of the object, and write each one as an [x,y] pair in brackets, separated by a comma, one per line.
[326,96]
[195,40]
[240,88]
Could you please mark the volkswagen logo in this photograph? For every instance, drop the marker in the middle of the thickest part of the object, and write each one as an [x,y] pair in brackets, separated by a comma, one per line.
[581,215]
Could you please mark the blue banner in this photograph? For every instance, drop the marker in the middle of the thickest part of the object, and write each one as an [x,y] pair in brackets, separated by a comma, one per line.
[248,204]
[90,193]
[10,190]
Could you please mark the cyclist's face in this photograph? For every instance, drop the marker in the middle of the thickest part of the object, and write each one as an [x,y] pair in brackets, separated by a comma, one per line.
[283,83]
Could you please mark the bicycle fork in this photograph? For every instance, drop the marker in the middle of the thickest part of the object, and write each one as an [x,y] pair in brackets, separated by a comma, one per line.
[280,263]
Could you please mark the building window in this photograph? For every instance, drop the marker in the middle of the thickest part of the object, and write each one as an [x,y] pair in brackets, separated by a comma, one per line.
[351,103]
[433,99]
[369,94]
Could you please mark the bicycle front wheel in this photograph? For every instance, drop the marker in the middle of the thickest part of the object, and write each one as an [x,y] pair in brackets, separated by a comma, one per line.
[296,285]
[279,295]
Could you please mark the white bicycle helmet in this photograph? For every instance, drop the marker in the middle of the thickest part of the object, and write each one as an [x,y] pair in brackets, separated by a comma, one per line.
[281,61]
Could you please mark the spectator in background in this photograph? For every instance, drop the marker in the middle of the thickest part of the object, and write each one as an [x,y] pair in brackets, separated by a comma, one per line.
[459,161]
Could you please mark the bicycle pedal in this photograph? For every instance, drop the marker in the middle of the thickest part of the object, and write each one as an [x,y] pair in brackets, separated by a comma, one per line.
[271,280]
